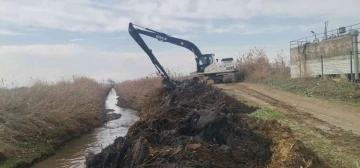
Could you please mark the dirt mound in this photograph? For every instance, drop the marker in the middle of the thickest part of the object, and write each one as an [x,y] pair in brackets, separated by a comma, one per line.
[199,126]
[287,150]
[203,138]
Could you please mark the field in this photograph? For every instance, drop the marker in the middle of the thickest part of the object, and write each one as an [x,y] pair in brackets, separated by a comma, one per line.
[35,120]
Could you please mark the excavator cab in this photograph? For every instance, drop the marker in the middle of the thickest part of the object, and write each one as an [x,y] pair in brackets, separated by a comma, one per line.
[204,61]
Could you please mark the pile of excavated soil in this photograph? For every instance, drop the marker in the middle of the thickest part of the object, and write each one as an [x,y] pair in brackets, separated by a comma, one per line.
[197,125]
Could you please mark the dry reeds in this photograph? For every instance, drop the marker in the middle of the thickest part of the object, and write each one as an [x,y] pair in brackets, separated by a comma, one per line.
[255,66]
[34,120]
[133,93]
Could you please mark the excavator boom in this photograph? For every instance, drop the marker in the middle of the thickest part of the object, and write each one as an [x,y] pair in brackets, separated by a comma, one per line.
[136,36]
[173,40]
[201,59]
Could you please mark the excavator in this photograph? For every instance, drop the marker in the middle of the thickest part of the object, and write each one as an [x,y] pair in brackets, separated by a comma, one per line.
[206,65]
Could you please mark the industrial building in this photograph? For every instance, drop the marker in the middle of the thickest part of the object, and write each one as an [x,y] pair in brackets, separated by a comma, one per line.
[333,53]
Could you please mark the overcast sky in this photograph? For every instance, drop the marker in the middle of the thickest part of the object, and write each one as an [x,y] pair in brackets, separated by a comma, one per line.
[53,39]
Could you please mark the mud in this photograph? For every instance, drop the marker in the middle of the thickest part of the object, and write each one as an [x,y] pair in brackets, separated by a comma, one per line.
[197,125]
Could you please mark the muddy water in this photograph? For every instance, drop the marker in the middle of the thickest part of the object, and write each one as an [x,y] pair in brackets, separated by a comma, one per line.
[73,154]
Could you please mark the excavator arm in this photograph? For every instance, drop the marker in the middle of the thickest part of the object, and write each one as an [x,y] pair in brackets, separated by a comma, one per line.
[135,33]
[167,38]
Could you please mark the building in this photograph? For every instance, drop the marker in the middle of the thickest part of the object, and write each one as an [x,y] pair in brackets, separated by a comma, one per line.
[330,54]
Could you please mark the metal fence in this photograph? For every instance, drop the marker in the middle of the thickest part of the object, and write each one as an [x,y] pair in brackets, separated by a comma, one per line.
[330,34]
[338,68]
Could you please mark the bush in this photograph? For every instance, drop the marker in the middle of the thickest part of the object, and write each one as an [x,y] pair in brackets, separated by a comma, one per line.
[255,66]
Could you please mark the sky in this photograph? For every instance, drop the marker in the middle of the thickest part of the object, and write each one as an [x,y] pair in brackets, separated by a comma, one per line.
[52,39]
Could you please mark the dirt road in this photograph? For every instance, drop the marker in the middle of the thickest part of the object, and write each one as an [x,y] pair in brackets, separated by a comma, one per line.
[327,116]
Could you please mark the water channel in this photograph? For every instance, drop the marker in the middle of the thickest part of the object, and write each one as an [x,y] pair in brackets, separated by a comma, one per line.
[72,155]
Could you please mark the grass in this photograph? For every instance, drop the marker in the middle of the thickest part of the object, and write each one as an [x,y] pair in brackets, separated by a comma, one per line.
[8,163]
[35,120]
[325,89]
[311,138]
[267,114]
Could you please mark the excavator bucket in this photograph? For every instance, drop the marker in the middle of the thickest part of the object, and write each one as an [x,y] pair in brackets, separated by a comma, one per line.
[168,84]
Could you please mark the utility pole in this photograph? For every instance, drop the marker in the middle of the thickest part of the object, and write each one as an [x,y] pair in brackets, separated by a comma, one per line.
[351,67]
[322,68]
[325,31]
[356,54]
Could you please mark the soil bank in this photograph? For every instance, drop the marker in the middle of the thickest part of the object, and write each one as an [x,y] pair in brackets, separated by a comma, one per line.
[197,125]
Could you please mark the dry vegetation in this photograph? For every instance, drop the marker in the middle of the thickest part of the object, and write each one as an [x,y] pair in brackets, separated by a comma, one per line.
[35,120]
[255,66]
[135,93]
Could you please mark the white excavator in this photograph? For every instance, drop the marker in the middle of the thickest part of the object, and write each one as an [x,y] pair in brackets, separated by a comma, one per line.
[206,64]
